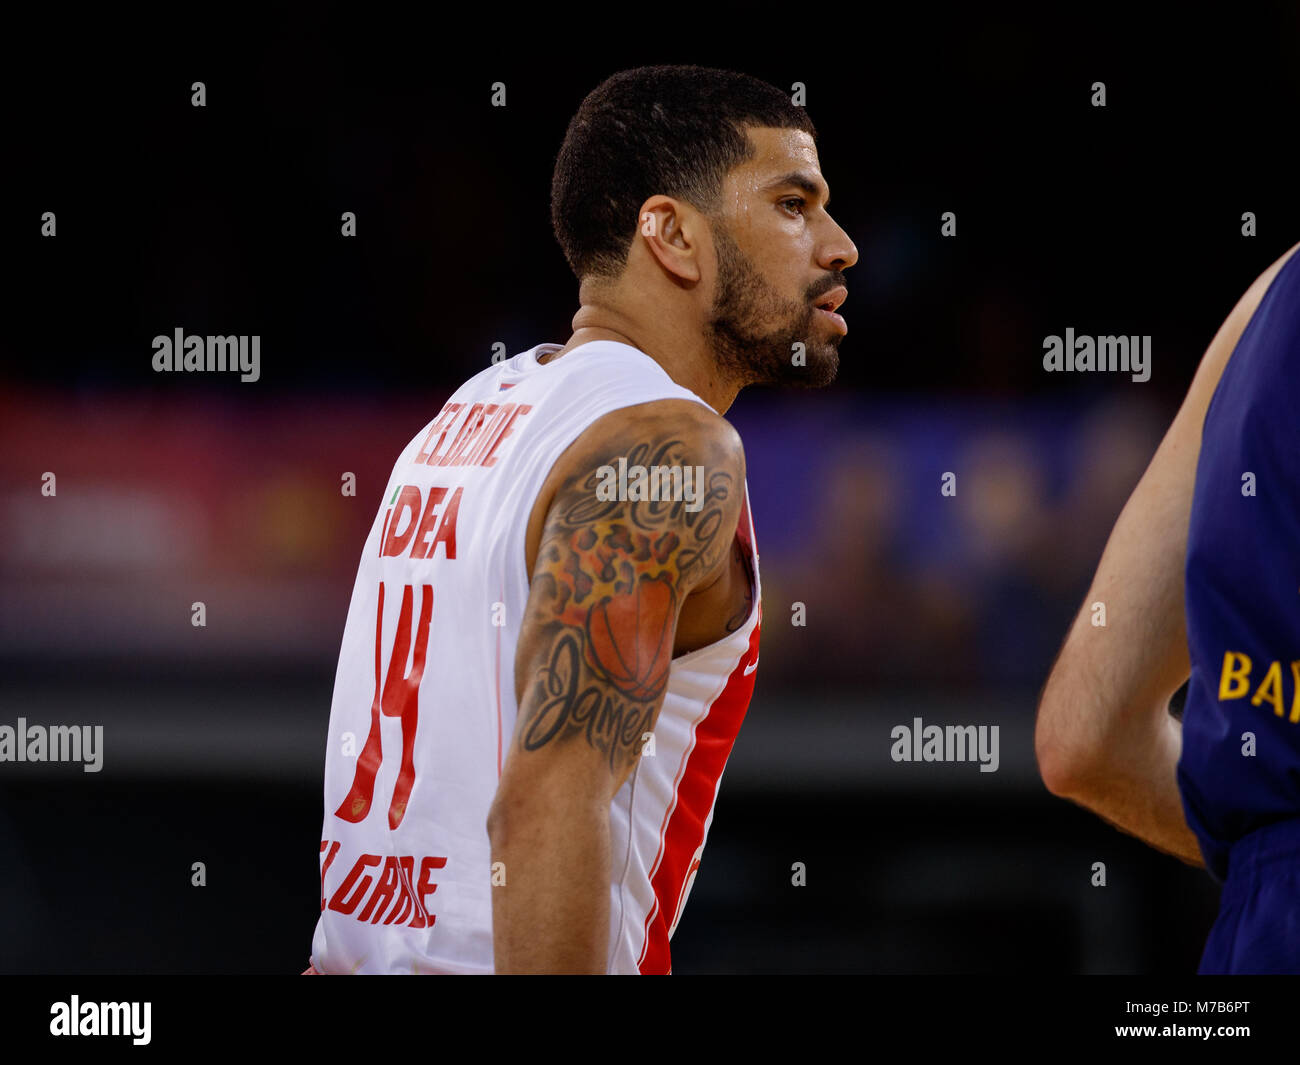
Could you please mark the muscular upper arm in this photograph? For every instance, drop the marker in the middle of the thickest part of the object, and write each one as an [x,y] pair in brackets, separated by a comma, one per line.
[607,588]
[1133,664]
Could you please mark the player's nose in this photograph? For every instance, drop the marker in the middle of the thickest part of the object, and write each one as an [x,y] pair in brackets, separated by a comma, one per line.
[838,252]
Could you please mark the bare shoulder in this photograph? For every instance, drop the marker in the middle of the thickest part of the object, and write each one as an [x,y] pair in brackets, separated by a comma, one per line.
[673,447]
[699,430]
[666,467]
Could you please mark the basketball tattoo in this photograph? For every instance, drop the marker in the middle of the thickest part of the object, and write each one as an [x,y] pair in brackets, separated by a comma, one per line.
[609,581]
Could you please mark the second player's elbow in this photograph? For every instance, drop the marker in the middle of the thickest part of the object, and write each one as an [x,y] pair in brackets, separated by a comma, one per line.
[1060,771]
[1062,763]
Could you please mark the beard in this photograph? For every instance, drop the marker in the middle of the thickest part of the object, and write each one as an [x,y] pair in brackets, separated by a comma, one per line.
[752,329]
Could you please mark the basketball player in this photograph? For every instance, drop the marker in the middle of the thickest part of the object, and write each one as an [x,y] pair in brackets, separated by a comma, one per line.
[550,648]
[1201,584]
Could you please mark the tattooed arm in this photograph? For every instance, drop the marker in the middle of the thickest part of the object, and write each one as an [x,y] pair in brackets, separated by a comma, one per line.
[592,666]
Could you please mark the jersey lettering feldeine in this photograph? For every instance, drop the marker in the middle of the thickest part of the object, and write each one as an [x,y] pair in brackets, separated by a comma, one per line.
[1240,763]
[424,700]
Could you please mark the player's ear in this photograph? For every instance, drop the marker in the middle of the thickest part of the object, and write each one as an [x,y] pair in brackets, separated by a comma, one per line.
[672,232]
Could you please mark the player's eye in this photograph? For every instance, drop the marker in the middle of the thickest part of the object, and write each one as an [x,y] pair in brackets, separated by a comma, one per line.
[799,200]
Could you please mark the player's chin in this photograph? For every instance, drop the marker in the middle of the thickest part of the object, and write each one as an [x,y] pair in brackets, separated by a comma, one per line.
[818,370]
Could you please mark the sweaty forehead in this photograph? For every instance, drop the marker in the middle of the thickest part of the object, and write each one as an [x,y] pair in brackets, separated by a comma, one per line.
[776,152]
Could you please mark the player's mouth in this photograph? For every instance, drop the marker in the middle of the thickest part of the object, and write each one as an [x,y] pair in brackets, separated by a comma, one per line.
[828,303]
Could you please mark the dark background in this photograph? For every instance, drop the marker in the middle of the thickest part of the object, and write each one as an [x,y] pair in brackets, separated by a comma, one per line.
[176,488]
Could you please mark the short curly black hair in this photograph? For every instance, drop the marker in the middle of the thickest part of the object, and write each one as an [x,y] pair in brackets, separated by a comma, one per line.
[661,130]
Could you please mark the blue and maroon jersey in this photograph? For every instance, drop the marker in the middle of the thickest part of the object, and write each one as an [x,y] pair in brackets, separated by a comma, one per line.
[1240,764]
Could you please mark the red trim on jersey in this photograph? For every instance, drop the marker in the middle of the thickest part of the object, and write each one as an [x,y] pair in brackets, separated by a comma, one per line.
[501,599]
[714,737]
[694,795]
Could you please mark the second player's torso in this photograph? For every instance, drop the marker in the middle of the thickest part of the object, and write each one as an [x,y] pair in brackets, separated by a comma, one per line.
[1240,765]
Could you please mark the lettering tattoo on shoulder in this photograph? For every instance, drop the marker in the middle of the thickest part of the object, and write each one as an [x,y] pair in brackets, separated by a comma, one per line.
[611,576]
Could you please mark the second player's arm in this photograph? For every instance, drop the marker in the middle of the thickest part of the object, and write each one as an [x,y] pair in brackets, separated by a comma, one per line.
[1104,737]
[592,669]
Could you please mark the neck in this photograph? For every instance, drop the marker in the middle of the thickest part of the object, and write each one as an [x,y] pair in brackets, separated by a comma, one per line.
[680,350]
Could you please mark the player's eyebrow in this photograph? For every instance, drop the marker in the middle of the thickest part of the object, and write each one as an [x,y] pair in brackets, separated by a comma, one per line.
[803,181]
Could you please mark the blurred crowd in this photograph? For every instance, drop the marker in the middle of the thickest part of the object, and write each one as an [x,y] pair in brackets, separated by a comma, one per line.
[903,585]
[872,575]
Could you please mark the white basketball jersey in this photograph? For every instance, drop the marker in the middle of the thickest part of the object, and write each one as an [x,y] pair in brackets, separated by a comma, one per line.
[424,697]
